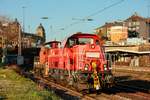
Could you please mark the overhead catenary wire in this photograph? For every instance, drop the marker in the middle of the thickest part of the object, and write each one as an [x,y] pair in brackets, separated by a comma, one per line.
[94,14]
[105,8]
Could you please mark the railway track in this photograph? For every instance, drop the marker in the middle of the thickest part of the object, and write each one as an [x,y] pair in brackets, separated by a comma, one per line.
[118,92]
[64,92]
[134,93]
[144,90]
[67,93]
[127,92]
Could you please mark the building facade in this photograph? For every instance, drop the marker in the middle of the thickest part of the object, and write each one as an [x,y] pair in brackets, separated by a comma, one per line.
[40,31]
[118,34]
[134,26]
[9,34]
[140,25]
[115,32]
[104,31]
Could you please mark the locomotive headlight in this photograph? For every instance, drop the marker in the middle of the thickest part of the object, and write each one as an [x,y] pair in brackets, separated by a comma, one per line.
[92,46]
[86,67]
[110,68]
[105,67]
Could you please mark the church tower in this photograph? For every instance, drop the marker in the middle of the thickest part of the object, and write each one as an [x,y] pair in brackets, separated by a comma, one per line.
[40,31]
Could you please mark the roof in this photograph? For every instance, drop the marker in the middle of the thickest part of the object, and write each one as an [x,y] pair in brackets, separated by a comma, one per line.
[135,17]
[83,35]
[128,51]
[40,27]
[115,23]
[51,42]
[147,20]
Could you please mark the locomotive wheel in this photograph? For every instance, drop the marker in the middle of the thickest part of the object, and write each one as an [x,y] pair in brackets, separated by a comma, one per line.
[76,82]
[38,71]
[109,81]
[90,88]
[103,84]
[50,72]
[56,71]
[61,75]
[77,85]
[90,85]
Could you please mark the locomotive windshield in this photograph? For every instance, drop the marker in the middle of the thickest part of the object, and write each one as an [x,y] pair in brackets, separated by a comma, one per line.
[81,41]
[86,41]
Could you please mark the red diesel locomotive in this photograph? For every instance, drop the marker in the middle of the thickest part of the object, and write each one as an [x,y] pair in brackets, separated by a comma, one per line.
[80,59]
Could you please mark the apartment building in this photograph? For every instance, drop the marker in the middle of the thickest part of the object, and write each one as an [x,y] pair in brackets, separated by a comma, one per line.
[115,32]
[9,34]
[141,25]
[134,26]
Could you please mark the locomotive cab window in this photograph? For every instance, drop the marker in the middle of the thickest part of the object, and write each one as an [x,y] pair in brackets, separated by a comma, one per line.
[71,42]
[83,41]
[97,42]
[80,41]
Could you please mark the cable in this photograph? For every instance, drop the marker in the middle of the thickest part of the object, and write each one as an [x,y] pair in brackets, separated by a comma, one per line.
[105,8]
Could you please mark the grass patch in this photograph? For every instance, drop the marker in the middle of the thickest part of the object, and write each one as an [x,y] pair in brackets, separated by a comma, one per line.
[1,65]
[15,87]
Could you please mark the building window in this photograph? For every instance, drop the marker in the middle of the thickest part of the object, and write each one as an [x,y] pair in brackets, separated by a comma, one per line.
[134,29]
[108,29]
[129,28]
[137,23]
[137,28]
[134,23]
[129,23]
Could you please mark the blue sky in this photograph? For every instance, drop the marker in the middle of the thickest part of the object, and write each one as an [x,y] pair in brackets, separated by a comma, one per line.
[61,13]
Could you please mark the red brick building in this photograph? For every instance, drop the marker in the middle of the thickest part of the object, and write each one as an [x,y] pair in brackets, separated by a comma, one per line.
[9,33]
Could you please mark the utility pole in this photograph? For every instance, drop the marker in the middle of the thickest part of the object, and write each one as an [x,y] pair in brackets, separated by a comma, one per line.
[19,42]
[148,22]
[20,59]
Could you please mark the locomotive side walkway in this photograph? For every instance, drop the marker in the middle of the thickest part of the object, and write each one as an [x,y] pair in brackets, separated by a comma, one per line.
[130,68]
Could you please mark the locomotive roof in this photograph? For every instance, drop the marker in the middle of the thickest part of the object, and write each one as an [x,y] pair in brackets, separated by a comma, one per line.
[87,35]
[51,42]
